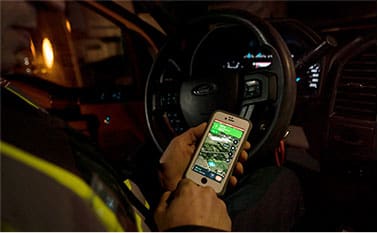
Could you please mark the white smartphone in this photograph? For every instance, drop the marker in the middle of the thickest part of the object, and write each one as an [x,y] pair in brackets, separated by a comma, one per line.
[218,151]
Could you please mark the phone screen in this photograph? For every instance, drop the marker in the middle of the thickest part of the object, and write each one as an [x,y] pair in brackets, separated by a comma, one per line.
[218,150]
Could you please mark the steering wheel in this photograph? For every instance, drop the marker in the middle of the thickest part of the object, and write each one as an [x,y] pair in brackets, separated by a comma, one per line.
[229,60]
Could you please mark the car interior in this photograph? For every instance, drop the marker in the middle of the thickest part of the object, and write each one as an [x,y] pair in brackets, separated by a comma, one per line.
[128,76]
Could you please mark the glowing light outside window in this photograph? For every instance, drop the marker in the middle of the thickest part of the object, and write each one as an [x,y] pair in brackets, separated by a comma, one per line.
[32,49]
[48,53]
[68,25]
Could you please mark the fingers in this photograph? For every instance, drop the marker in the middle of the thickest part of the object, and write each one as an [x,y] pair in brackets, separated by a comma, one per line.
[239,169]
[243,156]
[247,145]
[192,205]
[233,181]
[163,201]
[187,185]
[242,159]
[184,183]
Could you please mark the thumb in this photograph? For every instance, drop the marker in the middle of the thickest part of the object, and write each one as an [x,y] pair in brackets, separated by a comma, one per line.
[197,132]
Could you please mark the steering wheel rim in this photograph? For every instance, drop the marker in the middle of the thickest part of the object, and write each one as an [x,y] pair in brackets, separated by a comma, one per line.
[284,90]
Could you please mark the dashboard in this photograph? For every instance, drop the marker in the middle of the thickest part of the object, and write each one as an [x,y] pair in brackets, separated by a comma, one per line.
[240,52]
[300,40]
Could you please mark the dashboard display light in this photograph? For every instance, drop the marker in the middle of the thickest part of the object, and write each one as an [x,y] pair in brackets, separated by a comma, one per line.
[261,64]
[248,56]
[233,65]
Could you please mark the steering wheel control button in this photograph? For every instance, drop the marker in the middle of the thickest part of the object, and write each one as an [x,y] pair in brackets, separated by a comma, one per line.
[169,99]
[203,180]
[175,121]
[252,89]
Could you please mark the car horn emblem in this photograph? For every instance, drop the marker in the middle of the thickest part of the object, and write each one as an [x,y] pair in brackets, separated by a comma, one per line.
[204,89]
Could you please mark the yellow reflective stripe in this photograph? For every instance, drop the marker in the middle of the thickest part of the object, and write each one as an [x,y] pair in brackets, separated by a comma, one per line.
[139,221]
[67,179]
[5,226]
[22,97]
[146,204]
[128,184]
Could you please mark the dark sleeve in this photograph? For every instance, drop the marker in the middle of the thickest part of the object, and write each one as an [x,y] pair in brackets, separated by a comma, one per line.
[193,228]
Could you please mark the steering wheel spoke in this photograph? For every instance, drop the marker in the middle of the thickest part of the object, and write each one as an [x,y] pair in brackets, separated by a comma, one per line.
[258,88]
[247,111]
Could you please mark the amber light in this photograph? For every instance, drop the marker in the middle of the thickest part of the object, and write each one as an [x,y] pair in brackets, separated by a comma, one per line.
[48,53]
[68,25]
[32,49]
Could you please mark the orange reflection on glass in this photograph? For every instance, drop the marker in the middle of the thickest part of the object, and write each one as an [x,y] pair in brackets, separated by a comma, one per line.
[32,49]
[68,25]
[48,53]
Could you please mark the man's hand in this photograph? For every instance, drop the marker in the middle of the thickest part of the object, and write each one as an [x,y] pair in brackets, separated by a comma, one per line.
[177,156]
[192,205]
[179,152]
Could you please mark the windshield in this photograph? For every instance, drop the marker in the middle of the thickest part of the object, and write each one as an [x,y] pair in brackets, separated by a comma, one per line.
[65,43]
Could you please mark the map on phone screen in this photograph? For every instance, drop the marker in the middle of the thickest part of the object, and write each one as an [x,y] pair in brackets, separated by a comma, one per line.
[218,151]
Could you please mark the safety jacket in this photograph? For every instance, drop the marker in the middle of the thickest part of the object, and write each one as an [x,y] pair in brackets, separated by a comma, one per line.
[53,178]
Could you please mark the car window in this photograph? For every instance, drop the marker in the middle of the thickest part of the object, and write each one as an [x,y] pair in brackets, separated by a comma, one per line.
[70,45]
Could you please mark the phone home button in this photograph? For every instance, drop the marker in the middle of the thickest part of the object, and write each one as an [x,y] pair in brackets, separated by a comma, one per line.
[204,180]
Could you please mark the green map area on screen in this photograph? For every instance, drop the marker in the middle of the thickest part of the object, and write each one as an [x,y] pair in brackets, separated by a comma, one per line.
[218,128]
[217,151]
